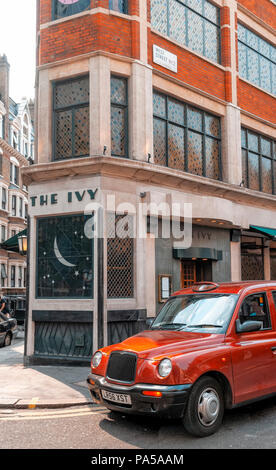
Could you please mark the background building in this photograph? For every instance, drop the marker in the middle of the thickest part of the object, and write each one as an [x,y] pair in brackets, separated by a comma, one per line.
[157,101]
[16,146]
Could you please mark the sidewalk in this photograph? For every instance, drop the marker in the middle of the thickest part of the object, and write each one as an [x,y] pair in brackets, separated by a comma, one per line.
[39,386]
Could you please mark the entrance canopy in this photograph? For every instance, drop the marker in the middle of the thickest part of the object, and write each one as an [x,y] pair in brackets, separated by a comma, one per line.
[12,243]
[269,232]
[197,253]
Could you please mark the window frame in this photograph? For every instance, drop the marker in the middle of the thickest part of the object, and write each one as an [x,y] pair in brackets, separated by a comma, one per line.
[204,18]
[14,174]
[72,108]
[260,156]
[186,129]
[13,275]
[20,278]
[3,274]
[14,205]
[3,233]
[56,17]
[260,54]
[4,199]
[265,296]
[37,295]
[124,107]
[117,217]
[124,10]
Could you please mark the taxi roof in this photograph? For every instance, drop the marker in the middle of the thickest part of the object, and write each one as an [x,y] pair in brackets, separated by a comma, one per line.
[234,287]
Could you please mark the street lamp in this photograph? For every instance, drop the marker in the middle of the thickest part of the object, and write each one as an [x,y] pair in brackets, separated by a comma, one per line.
[23,244]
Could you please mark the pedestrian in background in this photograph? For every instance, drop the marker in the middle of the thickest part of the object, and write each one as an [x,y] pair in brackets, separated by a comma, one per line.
[4,306]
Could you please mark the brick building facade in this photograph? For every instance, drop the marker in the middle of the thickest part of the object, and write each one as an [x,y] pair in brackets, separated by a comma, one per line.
[152,102]
[16,146]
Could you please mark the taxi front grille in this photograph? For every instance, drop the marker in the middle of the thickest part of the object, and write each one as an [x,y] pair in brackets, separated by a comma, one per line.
[122,367]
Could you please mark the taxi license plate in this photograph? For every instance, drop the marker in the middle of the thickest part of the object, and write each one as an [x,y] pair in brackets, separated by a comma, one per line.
[116,397]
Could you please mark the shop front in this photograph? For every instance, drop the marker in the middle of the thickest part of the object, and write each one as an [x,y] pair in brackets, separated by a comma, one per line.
[110,242]
[97,272]
[207,259]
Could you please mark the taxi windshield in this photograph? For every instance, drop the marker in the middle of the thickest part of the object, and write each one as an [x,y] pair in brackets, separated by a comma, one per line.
[197,312]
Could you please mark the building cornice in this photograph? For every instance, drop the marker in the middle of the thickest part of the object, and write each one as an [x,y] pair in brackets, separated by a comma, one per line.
[255,18]
[8,148]
[145,173]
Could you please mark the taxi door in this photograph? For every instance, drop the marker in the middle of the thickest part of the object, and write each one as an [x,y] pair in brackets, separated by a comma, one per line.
[253,353]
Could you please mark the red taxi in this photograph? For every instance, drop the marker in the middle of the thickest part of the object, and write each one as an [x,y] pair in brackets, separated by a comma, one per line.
[211,347]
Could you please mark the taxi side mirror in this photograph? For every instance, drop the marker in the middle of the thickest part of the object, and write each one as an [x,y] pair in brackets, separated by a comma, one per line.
[250,325]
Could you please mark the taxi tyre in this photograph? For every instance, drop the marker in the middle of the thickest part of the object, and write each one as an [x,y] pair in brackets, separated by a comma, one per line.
[205,408]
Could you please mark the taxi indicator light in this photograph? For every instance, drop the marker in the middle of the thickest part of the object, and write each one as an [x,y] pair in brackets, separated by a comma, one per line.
[151,393]
[204,286]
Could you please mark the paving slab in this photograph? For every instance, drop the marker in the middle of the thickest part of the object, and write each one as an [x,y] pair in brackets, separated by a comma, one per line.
[39,386]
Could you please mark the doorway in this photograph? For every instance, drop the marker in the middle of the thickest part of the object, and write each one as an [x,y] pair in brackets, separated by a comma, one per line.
[195,271]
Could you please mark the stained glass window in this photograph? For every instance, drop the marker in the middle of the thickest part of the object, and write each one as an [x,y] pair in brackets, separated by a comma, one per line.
[119,117]
[63,8]
[192,23]
[71,119]
[64,257]
[186,138]
[257,60]
[258,162]
[118,5]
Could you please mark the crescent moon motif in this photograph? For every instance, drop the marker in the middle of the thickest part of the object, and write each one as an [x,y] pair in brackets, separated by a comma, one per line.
[59,256]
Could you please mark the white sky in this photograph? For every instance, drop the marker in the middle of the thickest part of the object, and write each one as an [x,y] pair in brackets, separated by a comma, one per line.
[17,41]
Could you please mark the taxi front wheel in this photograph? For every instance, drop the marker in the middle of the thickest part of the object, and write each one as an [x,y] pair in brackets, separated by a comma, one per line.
[205,408]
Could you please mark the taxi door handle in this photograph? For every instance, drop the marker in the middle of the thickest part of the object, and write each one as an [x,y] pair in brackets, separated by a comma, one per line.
[273,349]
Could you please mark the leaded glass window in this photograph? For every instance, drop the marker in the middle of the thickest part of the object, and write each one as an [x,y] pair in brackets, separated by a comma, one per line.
[257,60]
[258,162]
[64,257]
[186,138]
[71,119]
[63,8]
[192,23]
[120,256]
[119,117]
[118,5]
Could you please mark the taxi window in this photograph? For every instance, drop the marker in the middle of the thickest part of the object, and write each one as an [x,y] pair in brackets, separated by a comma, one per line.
[274,297]
[255,307]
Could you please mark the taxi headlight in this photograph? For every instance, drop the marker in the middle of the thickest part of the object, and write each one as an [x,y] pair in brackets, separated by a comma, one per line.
[165,367]
[96,360]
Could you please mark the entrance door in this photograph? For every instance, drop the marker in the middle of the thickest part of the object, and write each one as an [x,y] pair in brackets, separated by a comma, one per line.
[195,271]
[188,273]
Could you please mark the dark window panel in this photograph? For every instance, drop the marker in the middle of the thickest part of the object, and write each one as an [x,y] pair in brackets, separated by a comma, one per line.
[65,258]
[62,9]
[119,117]
[120,256]
[71,119]
[118,5]
[181,138]
[192,23]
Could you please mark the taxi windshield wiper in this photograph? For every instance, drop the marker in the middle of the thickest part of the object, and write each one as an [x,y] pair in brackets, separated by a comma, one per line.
[169,326]
[204,325]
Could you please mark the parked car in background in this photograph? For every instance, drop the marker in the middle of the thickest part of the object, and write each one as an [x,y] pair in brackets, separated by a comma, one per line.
[17,307]
[8,330]
[211,347]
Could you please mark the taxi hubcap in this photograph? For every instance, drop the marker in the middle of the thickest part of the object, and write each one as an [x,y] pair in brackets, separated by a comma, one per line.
[208,406]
